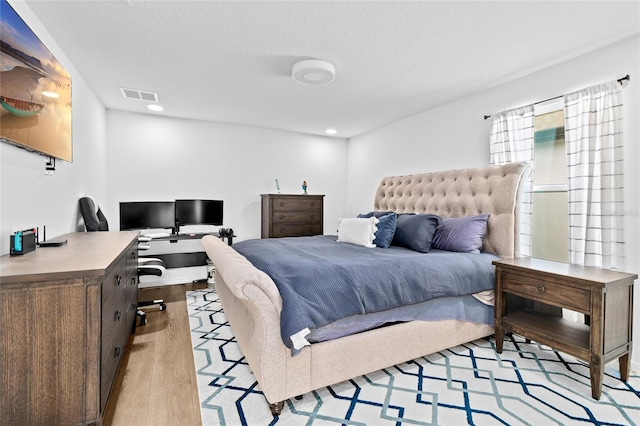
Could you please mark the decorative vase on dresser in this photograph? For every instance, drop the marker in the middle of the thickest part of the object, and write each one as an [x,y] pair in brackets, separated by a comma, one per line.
[285,215]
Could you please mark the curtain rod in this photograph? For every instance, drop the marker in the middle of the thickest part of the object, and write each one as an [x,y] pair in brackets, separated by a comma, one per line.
[620,80]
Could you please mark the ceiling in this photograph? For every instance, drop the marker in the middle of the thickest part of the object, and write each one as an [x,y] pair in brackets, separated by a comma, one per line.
[230,61]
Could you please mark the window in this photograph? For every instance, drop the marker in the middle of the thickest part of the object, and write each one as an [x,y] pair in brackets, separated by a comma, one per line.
[550,219]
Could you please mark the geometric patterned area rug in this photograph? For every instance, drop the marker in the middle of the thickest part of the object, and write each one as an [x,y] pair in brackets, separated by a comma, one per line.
[528,384]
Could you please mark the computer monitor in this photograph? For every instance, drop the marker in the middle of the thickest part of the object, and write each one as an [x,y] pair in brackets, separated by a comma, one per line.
[198,212]
[147,215]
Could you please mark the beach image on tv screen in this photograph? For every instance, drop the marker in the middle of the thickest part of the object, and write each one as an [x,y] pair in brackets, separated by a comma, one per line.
[35,91]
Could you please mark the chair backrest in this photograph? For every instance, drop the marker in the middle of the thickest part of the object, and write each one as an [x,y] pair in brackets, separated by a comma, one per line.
[93,217]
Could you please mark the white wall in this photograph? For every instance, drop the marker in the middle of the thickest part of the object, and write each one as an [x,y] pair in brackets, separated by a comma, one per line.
[455,136]
[28,198]
[155,158]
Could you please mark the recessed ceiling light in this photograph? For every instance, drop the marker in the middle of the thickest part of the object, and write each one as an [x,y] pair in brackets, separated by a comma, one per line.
[155,107]
[331,131]
[313,71]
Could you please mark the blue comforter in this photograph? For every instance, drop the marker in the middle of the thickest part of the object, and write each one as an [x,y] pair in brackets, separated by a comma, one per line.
[321,280]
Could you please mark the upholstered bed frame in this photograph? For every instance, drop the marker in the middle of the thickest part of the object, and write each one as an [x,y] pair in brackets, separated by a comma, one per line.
[252,303]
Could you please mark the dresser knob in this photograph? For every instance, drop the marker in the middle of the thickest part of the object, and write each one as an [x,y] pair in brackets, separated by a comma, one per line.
[281,217]
[117,352]
[540,288]
[313,204]
[281,203]
[118,316]
[313,216]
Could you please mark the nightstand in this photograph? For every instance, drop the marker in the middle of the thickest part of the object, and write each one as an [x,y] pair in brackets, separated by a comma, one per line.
[604,296]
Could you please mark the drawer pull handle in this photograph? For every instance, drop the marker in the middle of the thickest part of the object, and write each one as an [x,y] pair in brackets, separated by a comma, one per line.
[117,352]
[118,279]
[118,316]
[540,288]
[281,217]
[313,216]
[281,203]
[313,204]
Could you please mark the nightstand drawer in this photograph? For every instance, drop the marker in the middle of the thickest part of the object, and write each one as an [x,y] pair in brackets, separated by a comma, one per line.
[547,291]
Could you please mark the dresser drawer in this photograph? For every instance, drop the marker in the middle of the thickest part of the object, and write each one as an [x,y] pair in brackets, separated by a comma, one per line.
[298,203]
[116,281]
[548,291]
[292,230]
[296,217]
[112,353]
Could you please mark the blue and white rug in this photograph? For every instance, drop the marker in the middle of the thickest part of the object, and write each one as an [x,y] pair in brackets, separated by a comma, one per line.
[528,384]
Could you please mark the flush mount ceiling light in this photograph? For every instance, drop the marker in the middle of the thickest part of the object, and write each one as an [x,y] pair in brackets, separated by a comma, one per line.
[313,71]
[155,107]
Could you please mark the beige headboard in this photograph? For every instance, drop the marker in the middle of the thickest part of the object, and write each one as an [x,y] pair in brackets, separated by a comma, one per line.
[455,193]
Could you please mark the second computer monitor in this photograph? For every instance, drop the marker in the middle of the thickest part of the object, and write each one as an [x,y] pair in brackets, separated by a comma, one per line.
[198,212]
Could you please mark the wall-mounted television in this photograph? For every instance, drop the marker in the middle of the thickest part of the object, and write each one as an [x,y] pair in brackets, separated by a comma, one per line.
[198,212]
[35,91]
[147,215]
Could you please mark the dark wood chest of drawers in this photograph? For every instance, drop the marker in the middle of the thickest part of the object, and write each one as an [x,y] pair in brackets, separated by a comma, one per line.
[285,215]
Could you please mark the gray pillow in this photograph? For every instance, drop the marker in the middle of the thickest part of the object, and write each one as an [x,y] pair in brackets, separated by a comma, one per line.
[415,231]
[463,234]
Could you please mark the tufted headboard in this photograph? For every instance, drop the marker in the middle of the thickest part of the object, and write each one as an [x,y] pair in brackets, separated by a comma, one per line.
[494,190]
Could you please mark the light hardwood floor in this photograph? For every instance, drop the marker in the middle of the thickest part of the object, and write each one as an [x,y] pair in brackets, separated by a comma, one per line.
[156,383]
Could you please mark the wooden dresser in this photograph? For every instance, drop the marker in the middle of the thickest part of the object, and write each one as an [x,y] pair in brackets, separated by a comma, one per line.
[65,317]
[605,297]
[286,215]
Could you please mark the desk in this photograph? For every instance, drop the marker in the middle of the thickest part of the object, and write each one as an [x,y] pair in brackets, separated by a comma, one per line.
[65,317]
[183,256]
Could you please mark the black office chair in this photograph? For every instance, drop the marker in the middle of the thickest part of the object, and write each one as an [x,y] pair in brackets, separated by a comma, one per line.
[94,220]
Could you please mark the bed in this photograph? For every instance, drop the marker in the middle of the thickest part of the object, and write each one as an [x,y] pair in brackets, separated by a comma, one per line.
[253,303]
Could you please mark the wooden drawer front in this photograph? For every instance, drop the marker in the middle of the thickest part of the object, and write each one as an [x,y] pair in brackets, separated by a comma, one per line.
[111,356]
[132,260]
[132,300]
[114,340]
[115,282]
[548,291]
[296,217]
[298,203]
[297,230]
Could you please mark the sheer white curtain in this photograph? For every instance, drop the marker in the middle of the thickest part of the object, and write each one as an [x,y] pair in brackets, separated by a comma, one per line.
[593,138]
[511,139]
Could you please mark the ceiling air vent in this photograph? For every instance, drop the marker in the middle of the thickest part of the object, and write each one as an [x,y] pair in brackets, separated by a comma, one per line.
[139,95]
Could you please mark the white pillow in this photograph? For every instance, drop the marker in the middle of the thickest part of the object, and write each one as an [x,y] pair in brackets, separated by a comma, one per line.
[360,231]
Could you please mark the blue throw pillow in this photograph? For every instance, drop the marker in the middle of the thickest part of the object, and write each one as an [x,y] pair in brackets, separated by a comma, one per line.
[386,227]
[415,231]
[462,234]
